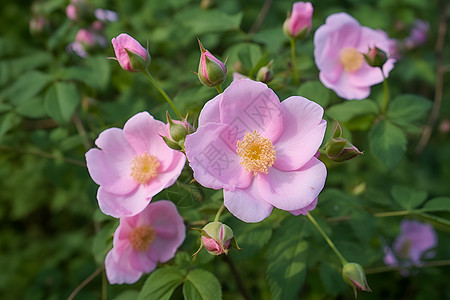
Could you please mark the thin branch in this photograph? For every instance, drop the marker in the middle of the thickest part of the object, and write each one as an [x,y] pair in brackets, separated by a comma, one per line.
[436,263]
[85,282]
[46,155]
[237,277]
[261,16]
[81,131]
[440,70]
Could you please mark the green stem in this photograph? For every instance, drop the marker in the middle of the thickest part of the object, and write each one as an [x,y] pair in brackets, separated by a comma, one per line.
[163,93]
[329,241]
[395,213]
[219,89]
[385,94]
[436,263]
[219,212]
[294,68]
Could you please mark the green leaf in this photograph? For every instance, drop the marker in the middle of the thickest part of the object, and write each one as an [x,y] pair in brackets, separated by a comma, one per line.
[127,295]
[61,100]
[201,285]
[406,110]
[344,112]
[32,108]
[26,87]
[438,222]
[437,204]
[387,143]
[332,279]
[8,121]
[213,20]
[161,284]
[315,91]
[408,198]
[103,242]
[286,257]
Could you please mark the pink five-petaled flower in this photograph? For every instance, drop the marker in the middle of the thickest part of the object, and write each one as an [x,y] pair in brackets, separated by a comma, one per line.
[133,165]
[127,48]
[141,241]
[411,245]
[299,23]
[338,48]
[260,151]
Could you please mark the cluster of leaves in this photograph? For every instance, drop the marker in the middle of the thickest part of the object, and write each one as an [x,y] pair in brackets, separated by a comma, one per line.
[54,104]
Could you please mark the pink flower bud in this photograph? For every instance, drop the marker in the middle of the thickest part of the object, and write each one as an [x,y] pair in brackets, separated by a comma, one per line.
[375,57]
[265,74]
[355,276]
[211,71]
[339,149]
[85,37]
[299,23]
[216,238]
[130,54]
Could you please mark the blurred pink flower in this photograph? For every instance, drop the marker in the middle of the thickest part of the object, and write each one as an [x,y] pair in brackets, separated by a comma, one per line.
[411,245]
[85,36]
[260,151]
[132,165]
[418,35]
[300,22]
[141,241]
[71,11]
[106,15]
[124,43]
[338,48]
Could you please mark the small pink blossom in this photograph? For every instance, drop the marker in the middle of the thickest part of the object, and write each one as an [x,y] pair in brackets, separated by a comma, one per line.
[71,11]
[411,245]
[211,71]
[106,15]
[123,43]
[300,22]
[338,48]
[85,36]
[132,165]
[260,151]
[141,241]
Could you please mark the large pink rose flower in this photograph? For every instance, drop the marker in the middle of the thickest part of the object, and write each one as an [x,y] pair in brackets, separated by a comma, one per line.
[260,151]
[141,241]
[338,48]
[132,165]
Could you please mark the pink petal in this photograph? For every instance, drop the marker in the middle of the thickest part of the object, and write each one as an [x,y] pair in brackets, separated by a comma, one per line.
[345,89]
[123,205]
[303,131]
[306,210]
[111,166]
[124,41]
[119,271]
[293,190]
[141,261]
[144,133]
[301,17]
[210,112]
[215,164]
[247,105]
[247,204]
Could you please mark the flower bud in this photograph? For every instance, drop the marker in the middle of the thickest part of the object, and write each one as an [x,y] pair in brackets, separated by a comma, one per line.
[211,71]
[265,74]
[375,57]
[130,54]
[339,149]
[299,23]
[355,276]
[216,238]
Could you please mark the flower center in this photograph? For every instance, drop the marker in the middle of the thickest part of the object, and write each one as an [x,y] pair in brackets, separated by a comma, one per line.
[144,167]
[351,59]
[141,238]
[256,152]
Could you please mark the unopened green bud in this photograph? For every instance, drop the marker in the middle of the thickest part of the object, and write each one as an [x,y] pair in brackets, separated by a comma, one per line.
[265,74]
[339,149]
[211,71]
[375,57]
[137,62]
[216,238]
[354,275]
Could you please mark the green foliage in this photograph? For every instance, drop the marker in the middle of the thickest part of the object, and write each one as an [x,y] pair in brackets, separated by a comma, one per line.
[201,285]
[161,284]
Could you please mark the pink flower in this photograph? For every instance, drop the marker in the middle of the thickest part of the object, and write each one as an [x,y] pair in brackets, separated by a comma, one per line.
[338,48]
[86,37]
[141,241]
[411,245]
[260,151]
[132,165]
[124,43]
[71,11]
[300,21]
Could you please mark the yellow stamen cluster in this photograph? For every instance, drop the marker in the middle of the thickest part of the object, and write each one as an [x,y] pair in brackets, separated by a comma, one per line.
[144,167]
[141,238]
[351,59]
[256,152]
